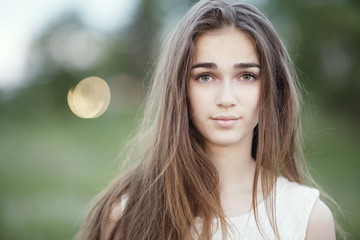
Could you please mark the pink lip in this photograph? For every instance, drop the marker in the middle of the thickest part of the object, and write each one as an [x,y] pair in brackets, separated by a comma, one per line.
[225,121]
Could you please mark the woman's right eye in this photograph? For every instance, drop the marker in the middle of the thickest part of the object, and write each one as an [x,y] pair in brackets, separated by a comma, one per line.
[204,78]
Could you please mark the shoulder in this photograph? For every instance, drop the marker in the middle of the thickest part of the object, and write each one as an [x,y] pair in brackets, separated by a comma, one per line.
[302,205]
[117,208]
[321,222]
[292,192]
[294,205]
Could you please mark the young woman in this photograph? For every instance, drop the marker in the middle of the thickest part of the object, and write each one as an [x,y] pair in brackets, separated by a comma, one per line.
[218,154]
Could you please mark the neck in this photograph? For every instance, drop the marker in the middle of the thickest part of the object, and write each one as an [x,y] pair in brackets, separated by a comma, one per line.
[235,166]
[236,170]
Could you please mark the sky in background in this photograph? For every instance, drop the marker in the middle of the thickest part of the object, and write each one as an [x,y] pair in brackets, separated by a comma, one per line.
[21,21]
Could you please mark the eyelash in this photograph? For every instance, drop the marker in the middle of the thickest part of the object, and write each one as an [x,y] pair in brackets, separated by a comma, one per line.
[249,74]
[198,77]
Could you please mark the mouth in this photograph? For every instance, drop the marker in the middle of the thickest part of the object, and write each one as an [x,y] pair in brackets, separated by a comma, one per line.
[225,121]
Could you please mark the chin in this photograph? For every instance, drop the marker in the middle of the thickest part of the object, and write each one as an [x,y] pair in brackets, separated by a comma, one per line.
[229,140]
[225,142]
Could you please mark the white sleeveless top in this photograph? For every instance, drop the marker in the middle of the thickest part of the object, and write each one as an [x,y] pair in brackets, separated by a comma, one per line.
[294,203]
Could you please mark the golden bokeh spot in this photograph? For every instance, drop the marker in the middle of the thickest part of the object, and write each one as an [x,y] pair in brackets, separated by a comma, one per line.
[90,98]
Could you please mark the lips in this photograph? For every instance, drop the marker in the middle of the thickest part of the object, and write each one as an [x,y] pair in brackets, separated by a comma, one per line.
[225,120]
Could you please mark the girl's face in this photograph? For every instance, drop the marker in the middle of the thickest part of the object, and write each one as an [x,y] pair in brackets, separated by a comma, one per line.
[224,87]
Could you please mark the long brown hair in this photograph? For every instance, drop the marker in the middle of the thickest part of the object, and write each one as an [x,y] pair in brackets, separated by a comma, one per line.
[173,182]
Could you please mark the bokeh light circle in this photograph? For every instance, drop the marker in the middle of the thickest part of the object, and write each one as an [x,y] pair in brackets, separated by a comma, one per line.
[90,98]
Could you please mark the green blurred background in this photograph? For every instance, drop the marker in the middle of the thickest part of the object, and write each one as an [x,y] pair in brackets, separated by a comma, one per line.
[53,163]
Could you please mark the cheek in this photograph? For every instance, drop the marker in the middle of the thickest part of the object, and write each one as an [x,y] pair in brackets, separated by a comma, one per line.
[251,100]
[195,100]
[257,103]
[195,106]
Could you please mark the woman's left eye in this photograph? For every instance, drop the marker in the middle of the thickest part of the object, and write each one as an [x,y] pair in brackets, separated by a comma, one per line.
[247,77]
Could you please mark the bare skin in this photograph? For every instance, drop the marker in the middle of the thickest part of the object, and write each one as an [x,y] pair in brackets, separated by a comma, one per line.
[321,223]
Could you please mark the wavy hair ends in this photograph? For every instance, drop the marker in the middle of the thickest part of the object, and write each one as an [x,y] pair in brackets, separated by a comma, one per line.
[174,184]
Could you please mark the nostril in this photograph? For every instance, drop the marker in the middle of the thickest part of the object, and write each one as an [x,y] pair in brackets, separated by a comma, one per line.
[226,97]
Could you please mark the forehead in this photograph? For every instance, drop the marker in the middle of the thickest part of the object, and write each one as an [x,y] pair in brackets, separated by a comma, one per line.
[226,44]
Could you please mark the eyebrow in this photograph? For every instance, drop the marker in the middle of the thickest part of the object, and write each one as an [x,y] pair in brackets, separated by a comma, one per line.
[246,65]
[205,65]
[212,65]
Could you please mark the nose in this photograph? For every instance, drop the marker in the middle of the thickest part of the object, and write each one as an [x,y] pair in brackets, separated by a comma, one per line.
[226,96]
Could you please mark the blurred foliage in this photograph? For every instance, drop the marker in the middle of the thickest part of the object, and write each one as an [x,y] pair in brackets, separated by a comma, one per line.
[52,163]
